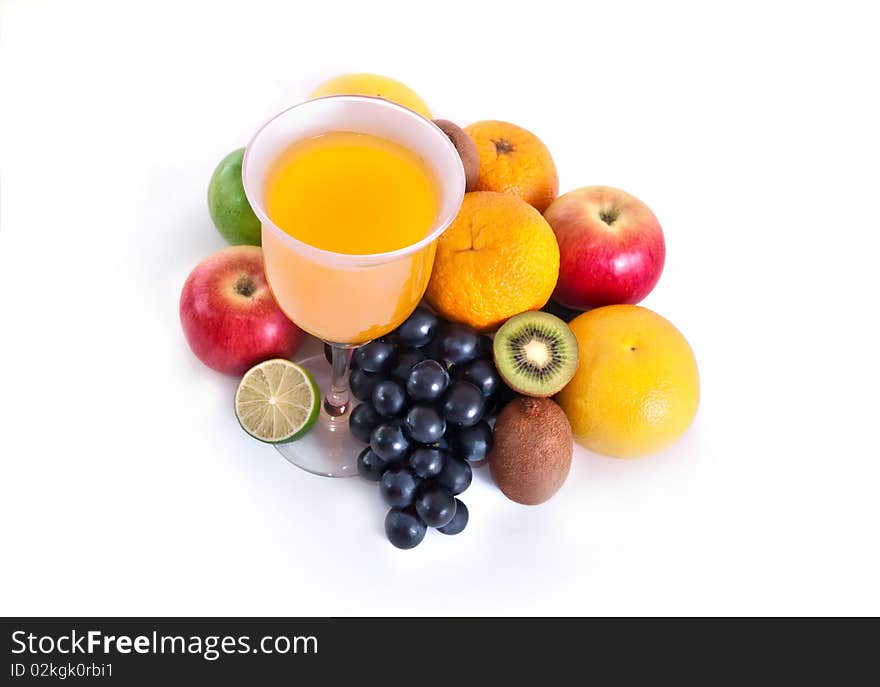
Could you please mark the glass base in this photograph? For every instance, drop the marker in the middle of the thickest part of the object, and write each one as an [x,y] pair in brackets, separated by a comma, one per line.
[328,449]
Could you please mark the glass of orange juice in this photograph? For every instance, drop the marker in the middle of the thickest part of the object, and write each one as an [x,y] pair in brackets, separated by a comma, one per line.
[352,193]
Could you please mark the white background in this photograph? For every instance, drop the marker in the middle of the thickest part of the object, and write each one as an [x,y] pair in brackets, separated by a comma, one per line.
[127,486]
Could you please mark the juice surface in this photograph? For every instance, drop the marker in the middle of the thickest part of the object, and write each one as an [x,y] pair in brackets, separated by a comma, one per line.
[352,193]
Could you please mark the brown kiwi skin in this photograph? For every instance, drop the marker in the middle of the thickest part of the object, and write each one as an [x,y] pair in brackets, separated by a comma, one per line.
[532,450]
[467,151]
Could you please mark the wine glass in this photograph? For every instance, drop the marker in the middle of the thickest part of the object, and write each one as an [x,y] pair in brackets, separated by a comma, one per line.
[346,300]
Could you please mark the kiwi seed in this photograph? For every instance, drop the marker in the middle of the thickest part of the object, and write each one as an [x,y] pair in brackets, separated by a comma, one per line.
[467,151]
[536,353]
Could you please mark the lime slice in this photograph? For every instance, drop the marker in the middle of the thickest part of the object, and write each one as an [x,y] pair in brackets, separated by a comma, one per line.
[277,401]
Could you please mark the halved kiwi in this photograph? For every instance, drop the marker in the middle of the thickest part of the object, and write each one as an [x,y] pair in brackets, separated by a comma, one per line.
[536,353]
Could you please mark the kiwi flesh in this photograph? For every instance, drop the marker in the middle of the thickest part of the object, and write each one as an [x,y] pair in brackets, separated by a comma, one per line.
[535,353]
[467,151]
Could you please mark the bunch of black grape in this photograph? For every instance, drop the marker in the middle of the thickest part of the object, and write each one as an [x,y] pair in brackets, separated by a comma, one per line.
[427,391]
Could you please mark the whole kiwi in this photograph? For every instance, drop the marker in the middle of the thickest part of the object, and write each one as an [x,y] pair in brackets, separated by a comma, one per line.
[532,449]
[467,151]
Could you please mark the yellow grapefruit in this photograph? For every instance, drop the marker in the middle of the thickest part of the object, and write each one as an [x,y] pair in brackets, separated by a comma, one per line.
[375,85]
[636,389]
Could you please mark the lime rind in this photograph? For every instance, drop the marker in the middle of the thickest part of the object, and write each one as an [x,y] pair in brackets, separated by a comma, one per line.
[228,205]
[277,401]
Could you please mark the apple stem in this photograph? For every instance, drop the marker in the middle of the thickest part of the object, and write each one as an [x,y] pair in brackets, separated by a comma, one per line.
[336,401]
[609,216]
[245,286]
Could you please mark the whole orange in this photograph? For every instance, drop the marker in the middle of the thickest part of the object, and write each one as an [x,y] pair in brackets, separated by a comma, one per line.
[514,160]
[498,258]
[636,389]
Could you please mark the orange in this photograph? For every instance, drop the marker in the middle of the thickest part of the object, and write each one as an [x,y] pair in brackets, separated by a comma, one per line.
[497,259]
[513,160]
[636,389]
[375,85]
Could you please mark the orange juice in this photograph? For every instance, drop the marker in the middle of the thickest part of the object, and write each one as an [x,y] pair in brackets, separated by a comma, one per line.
[355,194]
[352,193]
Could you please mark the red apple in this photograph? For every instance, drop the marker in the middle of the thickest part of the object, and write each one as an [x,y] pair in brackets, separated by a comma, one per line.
[611,247]
[229,317]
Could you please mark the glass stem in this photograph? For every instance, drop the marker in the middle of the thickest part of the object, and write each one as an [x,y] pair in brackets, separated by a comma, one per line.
[336,401]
